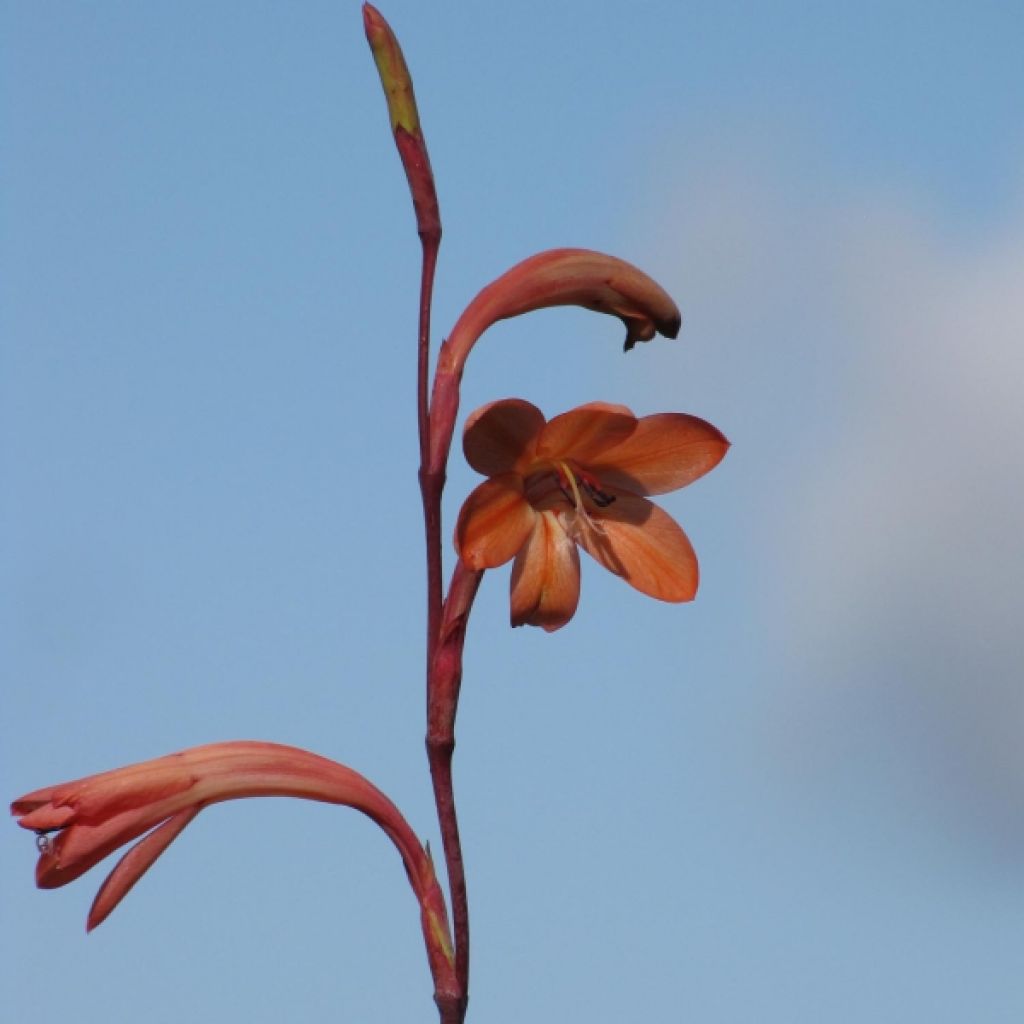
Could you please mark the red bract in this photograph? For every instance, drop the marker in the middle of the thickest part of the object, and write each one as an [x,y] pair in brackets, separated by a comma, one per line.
[580,479]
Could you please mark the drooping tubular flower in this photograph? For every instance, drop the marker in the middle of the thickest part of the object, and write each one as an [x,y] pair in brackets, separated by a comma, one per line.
[567,277]
[156,799]
[557,277]
[580,479]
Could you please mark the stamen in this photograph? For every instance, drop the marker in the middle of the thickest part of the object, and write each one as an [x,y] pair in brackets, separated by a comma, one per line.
[567,481]
[600,498]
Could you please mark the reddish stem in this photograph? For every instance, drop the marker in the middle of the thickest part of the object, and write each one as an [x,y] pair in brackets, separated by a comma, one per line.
[431,483]
[445,637]
[394,73]
[443,686]
[431,243]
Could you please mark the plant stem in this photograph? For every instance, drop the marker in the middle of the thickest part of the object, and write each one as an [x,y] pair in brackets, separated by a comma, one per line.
[444,675]
[450,995]
[444,683]
[431,482]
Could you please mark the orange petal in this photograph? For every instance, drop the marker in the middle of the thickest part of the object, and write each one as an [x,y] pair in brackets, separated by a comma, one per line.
[664,453]
[494,523]
[546,577]
[134,864]
[496,436]
[585,432]
[645,546]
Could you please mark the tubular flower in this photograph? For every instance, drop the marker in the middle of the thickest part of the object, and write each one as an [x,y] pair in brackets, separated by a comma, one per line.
[569,277]
[557,277]
[580,480]
[156,799]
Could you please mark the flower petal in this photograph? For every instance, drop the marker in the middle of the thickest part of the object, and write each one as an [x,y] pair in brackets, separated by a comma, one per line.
[664,453]
[645,546]
[546,577]
[585,432]
[134,864]
[494,523]
[80,847]
[498,435]
[99,797]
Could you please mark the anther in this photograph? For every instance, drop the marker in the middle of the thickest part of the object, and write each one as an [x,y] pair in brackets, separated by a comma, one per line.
[600,498]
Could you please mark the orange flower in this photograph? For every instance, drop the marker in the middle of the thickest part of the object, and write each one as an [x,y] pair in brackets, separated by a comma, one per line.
[98,814]
[580,479]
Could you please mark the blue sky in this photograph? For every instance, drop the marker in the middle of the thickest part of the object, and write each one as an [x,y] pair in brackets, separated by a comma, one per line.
[799,798]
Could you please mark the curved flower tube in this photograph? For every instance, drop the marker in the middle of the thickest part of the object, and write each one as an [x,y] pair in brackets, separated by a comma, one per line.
[156,799]
[557,277]
[567,277]
[580,479]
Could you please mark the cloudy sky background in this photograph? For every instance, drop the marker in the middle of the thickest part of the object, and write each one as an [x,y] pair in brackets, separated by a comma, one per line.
[798,799]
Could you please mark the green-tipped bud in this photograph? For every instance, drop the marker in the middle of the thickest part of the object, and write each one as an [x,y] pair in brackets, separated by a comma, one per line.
[405,121]
[394,74]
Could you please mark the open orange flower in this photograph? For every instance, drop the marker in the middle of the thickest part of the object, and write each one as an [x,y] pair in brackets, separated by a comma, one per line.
[157,799]
[580,479]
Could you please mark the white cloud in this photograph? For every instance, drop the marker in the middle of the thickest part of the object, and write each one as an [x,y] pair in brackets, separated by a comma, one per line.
[869,366]
[914,555]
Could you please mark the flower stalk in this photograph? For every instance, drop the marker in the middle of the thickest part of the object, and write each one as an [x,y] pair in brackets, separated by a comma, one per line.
[444,682]
[580,480]
[442,685]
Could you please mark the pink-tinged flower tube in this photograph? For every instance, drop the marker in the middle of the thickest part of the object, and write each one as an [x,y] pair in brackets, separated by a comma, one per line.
[557,277]
[570,277]
[156,799]
[580,479]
